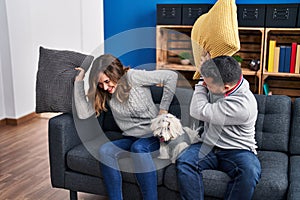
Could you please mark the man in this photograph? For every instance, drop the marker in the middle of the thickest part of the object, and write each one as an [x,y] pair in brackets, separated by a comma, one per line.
[224,102]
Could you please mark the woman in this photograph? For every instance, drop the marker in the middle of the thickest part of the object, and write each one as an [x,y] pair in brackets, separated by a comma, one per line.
[127,92]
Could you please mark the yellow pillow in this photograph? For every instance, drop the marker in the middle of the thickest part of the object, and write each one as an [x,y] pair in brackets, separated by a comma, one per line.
[216,32]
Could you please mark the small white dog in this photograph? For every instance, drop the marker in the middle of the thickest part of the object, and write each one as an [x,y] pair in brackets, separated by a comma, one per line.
[173,137]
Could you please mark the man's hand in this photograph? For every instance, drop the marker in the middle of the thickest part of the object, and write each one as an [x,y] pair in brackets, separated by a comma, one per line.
[201,82]
[203,59]
[81,74]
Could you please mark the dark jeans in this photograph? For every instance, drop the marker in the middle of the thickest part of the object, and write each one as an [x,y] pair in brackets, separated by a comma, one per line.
[242,166]
[145,170]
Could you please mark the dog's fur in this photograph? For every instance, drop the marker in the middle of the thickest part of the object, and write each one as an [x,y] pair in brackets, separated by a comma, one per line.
[173,137]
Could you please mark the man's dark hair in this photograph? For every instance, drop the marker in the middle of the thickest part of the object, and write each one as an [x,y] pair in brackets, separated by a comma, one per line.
[222,69]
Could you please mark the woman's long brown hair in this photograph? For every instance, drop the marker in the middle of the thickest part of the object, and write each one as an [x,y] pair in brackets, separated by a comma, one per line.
[115,71]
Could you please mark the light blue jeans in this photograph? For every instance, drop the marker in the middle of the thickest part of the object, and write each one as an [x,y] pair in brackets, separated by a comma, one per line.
[145,169]
[242,166]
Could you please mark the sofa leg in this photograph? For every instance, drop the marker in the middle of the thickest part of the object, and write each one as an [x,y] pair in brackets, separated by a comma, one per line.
[73,195]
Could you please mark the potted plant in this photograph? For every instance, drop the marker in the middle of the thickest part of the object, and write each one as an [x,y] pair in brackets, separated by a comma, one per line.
[238,58]
[185,57]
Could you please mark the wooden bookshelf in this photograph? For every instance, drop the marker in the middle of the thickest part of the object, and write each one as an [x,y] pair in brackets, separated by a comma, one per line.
[173,39]
[281,83]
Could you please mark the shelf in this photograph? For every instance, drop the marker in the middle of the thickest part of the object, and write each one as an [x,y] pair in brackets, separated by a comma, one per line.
[281,74]
[282,29]
[177,67]
[191,68]
[253,28]
[174,26]
[190,27]
[248,72]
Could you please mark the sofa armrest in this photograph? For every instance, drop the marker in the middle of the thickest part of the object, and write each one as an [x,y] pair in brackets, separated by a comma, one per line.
[294,187]
[294,192]
[62,136]
[295,130]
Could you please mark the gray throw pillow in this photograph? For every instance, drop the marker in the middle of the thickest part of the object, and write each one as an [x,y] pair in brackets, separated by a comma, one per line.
[55,79]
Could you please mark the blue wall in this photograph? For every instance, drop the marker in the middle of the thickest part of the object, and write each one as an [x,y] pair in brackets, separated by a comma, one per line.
[125,36]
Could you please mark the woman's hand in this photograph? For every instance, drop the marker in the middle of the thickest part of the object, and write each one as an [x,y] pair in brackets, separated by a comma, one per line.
[161,111]
[81,74]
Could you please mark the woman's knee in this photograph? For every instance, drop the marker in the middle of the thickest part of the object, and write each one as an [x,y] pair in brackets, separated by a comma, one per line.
[106,149]
[145,145]
[139,148]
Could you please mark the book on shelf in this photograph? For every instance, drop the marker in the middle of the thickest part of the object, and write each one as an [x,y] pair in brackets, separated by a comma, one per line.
[266,89]
[276,59]
[297,63]
[272,45]
[293,57]
[281,58]
[287,59]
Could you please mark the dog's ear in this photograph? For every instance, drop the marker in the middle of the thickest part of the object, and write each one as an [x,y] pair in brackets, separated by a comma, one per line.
[175,127]
[178,126]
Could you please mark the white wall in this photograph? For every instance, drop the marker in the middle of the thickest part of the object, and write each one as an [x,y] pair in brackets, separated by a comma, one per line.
[2,107]
[59,24]
[2,20]
[6,93]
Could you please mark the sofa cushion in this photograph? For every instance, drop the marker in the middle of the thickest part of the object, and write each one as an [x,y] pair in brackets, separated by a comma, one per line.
[294,169]
[215,182]
[272,185]
[84,159]
[274,176]
[294,189]
[273,122]
[55,79]
[295,128]
[108,122]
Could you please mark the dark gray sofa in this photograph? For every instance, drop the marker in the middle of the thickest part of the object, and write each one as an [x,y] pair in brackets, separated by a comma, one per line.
[73,146]
[294,177]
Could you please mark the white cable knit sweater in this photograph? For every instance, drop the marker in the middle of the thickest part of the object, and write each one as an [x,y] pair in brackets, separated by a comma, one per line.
[133,116]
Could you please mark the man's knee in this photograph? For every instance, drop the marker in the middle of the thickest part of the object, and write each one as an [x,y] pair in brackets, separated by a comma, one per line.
[253,169]
[253,172]
[182,162]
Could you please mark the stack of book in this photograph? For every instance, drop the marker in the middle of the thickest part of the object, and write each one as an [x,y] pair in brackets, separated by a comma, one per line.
[284,58]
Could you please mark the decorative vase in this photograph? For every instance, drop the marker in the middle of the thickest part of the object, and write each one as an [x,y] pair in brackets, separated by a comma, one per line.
[185,61]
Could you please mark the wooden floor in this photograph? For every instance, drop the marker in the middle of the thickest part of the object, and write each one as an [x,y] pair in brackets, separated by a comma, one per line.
[24,164]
